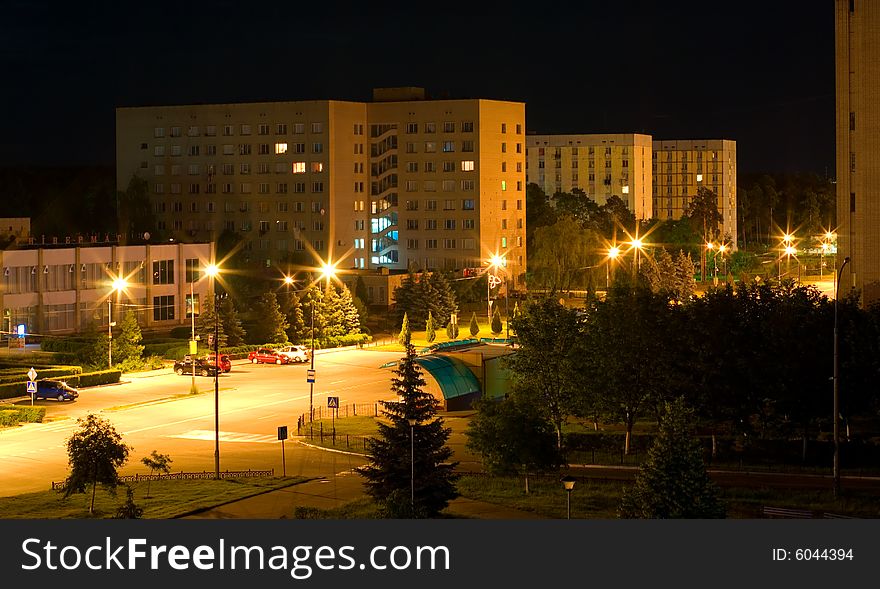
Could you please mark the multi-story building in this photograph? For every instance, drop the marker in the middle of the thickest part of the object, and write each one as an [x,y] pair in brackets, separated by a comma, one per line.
[858,145]
[600,165]
[67,288]
[401,182]
[682,166]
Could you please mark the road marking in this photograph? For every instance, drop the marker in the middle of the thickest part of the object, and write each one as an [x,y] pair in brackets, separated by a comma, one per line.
[337,381]
[204,435]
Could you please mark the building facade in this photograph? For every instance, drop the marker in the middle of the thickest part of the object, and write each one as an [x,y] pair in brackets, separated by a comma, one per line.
[858,145]
[600,165]
[400,182]
[66,289]
[682,166]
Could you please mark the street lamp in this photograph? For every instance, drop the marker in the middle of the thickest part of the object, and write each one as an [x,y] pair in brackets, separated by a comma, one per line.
[613,253]
[494,262]
[711,247]
[119,284]
[328,271]
[836,471]
[637,244]
[412,459]
[568,485]
[722,249]
[790,251]
[211,270]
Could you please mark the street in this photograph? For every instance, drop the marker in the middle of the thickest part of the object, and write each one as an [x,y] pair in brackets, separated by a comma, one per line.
[156,412]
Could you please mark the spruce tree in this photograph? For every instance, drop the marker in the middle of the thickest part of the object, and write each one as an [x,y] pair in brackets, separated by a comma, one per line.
[405,334]
[292,309]
[127,348]
[313,299]
[271,325]
[230,324]
[430,332]
[334,324]
[672,482]
[408,474]
[351,318]
[205,325]
[475,327]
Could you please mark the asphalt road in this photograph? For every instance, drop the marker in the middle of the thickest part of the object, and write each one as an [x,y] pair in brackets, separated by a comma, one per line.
[156,412]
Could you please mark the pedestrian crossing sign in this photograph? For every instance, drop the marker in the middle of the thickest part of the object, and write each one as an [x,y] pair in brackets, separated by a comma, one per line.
[31,387]
[333,402]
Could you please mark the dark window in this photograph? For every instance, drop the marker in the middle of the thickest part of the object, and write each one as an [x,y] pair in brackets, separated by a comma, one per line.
[163,272]
[852,202]
[852,121]
[163,308]
[192,270]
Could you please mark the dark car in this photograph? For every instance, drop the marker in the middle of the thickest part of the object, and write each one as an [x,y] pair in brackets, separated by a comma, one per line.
[202,367]
[267,356]
[225,363]
[55,389]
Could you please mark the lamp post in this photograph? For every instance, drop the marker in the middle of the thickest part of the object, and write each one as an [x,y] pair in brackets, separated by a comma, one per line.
[412,460]
[722,249]
[613,253]
[637,244]
[711,247]
[568,485]
[328,271]
[790,251]
[119,284]
[212,271]
[836,469]
[494,262]
[193,346]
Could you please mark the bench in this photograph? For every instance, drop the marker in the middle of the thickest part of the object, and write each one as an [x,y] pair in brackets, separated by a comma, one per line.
[784,512]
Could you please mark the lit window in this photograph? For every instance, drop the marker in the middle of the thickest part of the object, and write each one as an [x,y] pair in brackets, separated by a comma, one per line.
[317,167]
[280,148]
[467,166]
[299,167]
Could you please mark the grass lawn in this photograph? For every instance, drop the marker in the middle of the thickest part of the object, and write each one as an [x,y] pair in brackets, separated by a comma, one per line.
[350,433]
[419,340]
[168,499]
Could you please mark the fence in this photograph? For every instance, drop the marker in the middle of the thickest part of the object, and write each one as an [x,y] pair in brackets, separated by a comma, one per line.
[331,438]
[186,476]
[349,410]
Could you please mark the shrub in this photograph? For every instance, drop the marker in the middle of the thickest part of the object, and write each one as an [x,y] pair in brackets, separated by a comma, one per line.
[21,414]
[181,332]
[91,379]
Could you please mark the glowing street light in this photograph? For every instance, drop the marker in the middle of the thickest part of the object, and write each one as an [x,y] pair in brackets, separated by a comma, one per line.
[613,254]
[328,271]
[638,244]
[119,284]
[495,262]
[211,271]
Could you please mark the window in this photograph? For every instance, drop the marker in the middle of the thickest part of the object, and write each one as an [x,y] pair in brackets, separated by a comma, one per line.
[244,149]
[412,186]
[299,128]
[227,130]
[281,129]
[503,205]
[449,205]
[317,167]
[430,244]
[430,205]
[159,150]
[412,205]
[228,169]
[412,167]
[159,188]
[299,148]
[431,224]
[244,169]
[317,187]
[263,129]
[298,167]
[504,185]
[519,205]
[412,128]
[467,127]
[467,146]
[210,150]
[448,185]
[163,308]
[430,186]
[449,127]
[280,148]
[468,224]
[192,270]
[467,204]
[412,224]
[448,146]
[449,244]
[430,147]
[412,244]
[449,224]
[467,166]
[163,272]
[317,148]
[448,166]
[228,149]
[519,148]
[211,130]
[518,129]
[317,128]
[299,187]
[467,185]
[504,223]
[159,132]
[503,242]
[430,127]
[503,147]
[281,188]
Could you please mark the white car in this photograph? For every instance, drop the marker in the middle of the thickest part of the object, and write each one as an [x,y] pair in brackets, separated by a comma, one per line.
[296,353]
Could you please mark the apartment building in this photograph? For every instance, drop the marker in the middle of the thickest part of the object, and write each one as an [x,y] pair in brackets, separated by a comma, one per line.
[400,182]
[66,289]
[858,145]
[600,165]
[680,167]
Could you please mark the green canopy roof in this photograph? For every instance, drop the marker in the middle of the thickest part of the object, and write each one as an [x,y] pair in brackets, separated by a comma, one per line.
[453,376]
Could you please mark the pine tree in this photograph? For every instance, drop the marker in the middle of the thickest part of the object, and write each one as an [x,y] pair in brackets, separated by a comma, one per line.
[334,318]
[351,318]
[475,327]
[271,325]
[405,334]
[430,333]
[444,303]
[127,348]
[452,330]
[205,325]
[292,309]
[496,321]
[672,482]
[313,299]
[230,324]
[408,474]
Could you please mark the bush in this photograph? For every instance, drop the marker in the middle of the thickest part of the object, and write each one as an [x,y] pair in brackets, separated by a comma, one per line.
[92,379]
[181,332]
[21,414]
[343,340]
[20,374]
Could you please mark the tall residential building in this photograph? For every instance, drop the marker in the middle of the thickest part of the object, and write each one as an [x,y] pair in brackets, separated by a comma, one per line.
[400,182]
[682,166]
[858,145]
[600,165]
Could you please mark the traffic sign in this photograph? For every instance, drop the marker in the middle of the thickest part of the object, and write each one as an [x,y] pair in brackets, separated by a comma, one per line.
[333,402]
[310,375]
[282,432]
[32,374]
[31,387]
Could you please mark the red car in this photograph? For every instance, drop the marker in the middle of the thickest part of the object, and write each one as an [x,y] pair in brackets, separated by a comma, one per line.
[225,363]
[267,356]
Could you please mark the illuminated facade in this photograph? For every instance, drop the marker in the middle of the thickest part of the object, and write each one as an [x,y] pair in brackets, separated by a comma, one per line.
[65,289]
[682,166]
[400,182]
[858,145]
[600,165]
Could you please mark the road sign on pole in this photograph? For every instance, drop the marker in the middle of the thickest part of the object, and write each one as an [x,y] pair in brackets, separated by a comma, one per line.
[32,389]
[333,402]
[282,435]
[32,374]
[310,375]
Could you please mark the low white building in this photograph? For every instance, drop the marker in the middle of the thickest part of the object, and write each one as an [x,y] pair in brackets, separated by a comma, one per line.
[65,289]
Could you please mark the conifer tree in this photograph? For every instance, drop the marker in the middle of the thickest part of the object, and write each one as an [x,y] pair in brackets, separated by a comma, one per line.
[475,327]
[496,321]
[452,330]
[292,309]
[405,334]
[230,324]
[271,325]
[409,474]
[205,325]
[351,318]
[430,332]
[313,299]
[334,324]
[672,482]
[127,348]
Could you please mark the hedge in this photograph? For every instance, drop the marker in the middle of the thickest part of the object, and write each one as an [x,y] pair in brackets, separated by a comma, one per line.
[21,414]
[43,372]
[87,379]
[99,377]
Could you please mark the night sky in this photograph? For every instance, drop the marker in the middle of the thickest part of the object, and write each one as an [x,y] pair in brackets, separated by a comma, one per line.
[758,72]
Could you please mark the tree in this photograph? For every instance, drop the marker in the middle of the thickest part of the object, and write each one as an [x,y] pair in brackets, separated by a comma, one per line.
[560,255]
[135,212]
[672,482]
[351,317]
[127,348]
[293,311]
[156,463]
[475,327]
[497,326]
[409,473]
[430,333]
[452,330]
[206,324]
[420,294]
[512,435]
[405,334]
[334,317]
[230,323]
[271,325]
[702,211]
[546,366]
[95,451]
[129,509]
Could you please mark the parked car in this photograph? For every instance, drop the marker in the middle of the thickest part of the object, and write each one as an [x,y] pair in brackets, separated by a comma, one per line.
[202,367]
[225,363]
[296,353]
[267,356]
[55,389]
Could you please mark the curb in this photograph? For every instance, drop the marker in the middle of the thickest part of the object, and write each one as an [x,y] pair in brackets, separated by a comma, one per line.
[307,445]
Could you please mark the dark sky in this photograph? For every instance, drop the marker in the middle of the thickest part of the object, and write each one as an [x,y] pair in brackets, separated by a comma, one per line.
[758,72]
